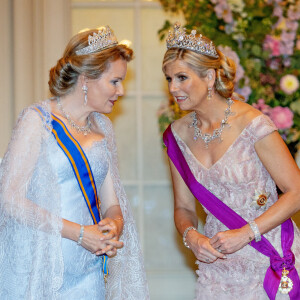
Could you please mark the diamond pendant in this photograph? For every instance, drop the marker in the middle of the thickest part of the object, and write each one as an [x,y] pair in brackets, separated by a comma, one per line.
[286,284]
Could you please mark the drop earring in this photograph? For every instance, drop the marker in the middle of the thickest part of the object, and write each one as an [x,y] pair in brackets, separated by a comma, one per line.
[85,90]
[209,93]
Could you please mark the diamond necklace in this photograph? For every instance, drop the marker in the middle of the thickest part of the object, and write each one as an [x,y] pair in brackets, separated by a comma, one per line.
[217,133]
[85,130]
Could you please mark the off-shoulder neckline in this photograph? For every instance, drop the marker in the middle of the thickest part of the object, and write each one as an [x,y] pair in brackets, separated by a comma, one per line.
[96,116]
[250,123]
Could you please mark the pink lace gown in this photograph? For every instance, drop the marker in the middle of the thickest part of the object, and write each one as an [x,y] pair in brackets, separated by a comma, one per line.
[234,178]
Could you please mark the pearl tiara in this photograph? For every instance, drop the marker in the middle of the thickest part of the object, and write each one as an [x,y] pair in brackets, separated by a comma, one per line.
[179,39]
[102,40]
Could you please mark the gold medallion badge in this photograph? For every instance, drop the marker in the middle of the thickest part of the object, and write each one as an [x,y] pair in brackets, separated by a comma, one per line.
[286,284]
[260,199]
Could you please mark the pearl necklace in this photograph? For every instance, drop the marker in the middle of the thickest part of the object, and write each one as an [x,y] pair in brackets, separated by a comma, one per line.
[85,130]
[217,133]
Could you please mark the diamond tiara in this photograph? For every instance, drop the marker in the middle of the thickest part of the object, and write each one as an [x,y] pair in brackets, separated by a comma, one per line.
[179,39]
[102,40]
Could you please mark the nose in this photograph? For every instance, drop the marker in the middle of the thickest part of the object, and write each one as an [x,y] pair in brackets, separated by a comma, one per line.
[173,87]
[120,91]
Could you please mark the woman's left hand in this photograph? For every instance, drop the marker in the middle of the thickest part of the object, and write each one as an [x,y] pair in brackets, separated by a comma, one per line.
[231,241]
[111,227]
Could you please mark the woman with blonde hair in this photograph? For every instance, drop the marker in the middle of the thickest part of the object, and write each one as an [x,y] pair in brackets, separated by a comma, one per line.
[65,222]
[229,156]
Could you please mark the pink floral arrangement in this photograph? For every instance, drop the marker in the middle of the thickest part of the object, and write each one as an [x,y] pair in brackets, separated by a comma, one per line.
[273,45]
[282,117]
[263,39]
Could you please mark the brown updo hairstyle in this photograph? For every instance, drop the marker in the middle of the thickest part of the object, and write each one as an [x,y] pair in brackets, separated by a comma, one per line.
[224,67]
[63,77]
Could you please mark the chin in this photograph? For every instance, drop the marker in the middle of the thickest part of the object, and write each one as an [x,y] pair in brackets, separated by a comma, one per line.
[108,110]
[185,106]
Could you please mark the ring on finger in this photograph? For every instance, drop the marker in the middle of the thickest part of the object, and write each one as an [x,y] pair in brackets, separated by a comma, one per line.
[220,250]
[207,260]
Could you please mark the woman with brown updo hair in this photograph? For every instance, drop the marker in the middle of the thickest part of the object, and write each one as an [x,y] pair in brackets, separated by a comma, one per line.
[229,156]
[66,226]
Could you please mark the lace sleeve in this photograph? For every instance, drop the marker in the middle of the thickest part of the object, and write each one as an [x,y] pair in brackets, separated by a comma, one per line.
[107,194]
[261,127]
[30,222]
[19,173]
[127,279]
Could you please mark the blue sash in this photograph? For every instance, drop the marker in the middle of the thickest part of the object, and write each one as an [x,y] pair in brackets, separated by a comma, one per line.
[81,169]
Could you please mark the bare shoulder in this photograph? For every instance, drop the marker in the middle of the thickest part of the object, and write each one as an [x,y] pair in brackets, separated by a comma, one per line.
[244,113]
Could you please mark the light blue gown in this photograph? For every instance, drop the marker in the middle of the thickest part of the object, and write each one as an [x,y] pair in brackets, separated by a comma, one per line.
[37,190]
[82,275]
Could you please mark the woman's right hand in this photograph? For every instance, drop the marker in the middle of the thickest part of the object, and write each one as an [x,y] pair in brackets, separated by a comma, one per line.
[112,230]
[92,239]
[200,245]
[95,238]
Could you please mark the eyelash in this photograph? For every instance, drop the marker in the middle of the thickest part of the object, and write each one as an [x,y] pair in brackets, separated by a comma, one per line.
[114,82]
[180,77]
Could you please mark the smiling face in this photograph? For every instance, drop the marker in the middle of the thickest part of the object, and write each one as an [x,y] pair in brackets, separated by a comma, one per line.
[187,88]
[103,92]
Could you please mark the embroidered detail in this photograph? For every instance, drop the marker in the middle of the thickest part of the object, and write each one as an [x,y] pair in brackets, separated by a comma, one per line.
[260,199]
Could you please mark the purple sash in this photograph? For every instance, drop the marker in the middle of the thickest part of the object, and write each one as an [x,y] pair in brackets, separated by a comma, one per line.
[234,221]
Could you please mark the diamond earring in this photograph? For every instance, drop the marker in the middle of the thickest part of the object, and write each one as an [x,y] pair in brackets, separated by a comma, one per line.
[209,93]
[85,90]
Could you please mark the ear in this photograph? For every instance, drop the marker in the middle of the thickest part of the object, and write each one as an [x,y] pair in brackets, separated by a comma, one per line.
[211,77]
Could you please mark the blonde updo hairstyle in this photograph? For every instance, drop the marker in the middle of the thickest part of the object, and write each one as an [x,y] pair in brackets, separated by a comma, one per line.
[63,77]
[224,67]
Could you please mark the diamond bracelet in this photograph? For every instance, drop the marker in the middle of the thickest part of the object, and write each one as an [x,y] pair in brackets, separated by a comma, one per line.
[80,235]
[185,234]
[255,230]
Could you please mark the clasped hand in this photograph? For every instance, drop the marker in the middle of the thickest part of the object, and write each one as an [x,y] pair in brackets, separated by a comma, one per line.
[230,241]
[208,250]
[102,237]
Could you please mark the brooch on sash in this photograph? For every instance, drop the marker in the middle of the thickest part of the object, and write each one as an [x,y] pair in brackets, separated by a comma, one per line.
[259,199]
[286,284]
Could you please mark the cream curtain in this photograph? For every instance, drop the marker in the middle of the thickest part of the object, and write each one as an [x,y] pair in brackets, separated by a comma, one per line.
[33,35]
